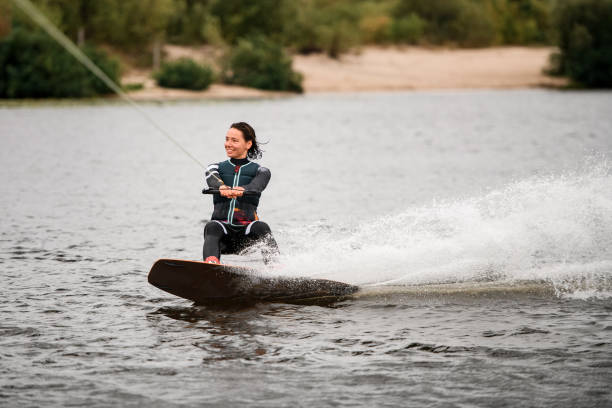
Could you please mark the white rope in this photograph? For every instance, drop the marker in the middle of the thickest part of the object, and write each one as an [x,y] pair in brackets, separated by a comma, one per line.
[76,52]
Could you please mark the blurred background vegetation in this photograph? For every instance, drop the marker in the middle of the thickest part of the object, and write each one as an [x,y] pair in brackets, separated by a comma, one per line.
[257,38]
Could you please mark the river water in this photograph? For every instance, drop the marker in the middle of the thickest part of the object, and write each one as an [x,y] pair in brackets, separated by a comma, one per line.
[478,225]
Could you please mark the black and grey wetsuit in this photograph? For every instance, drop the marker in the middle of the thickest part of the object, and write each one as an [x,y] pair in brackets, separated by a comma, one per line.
[234,173]
[234,223]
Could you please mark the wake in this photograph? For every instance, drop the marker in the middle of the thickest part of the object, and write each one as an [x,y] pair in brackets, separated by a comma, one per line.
[553,229]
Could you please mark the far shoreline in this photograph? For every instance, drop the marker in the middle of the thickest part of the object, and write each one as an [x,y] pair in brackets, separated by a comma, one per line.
[419,68]
[383,69]
[370,69]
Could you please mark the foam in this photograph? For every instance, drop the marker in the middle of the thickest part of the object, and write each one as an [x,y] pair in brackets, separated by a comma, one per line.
[556,228]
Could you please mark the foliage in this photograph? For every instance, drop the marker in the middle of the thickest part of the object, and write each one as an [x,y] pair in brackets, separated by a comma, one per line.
[524,21]
[463,22]
[376,29]
[184,73]
[261,63]
[326,26]
[331,26]
[439,14]
[408,30]
[128,24]
[192,22]
[133,86]
[32,65]
[245,19]
[375,22]
[585,41]
[131,23]
[257,31]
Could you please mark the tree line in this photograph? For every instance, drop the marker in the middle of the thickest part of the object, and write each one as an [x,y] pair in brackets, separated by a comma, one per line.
[267,32]
[332,26]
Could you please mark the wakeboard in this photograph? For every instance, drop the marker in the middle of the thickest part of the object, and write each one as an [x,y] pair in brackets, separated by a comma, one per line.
[206,283]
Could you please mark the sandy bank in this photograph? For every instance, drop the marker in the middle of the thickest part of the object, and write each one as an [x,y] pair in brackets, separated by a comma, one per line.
[151,91]
[382,69]
[216,91]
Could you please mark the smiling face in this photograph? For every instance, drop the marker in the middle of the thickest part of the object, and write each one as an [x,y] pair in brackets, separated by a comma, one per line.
[235,145]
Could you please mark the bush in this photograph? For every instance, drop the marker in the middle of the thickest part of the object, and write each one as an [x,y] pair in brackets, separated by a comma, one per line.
[585,42]
[192,23]
[32,65]
[408,29]
[332,27]
[473,27]
[184,73]
[440,16]
[263,64]
[524,22]
[246,19]
[376,29]
[464,22]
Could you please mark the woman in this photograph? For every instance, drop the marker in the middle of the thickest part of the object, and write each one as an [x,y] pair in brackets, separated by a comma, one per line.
[234,224]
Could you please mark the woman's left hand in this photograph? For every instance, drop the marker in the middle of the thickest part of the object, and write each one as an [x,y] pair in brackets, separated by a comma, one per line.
[236,192]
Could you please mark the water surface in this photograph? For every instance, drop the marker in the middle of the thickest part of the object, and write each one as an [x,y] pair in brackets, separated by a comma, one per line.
[478,224]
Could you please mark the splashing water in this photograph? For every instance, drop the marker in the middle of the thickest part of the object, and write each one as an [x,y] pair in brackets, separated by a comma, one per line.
[556,229]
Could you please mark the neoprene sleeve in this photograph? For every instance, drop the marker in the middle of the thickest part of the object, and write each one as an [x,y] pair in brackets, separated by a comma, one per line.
[260,181]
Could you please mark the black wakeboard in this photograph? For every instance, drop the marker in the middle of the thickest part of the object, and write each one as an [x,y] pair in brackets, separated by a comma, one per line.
[206,283]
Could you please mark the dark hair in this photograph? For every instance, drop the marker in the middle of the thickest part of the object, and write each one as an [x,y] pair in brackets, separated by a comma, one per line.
[249,135]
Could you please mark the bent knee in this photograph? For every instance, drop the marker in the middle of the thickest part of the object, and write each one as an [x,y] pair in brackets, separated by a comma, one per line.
[259,228]
[213,228]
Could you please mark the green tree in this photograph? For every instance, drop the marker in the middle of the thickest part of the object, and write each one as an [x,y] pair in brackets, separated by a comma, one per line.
[331,26]
[127,24]
[440,15]
[375,23]
[192,22]
[5,18]
[244,19]
[585,41]
[32,65]
[463,22]
[261,63]
[408,29]
[474,26]
[73,17]
[524,21]
[131,24]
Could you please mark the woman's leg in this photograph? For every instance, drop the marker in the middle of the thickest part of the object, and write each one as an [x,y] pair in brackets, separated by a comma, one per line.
[213,233]
[260,231]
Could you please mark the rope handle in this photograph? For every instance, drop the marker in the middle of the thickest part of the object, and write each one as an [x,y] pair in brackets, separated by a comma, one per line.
[213,191]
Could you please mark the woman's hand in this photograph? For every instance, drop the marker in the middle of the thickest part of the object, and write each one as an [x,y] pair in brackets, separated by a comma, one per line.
[238,192]
[225,191]
[229,192]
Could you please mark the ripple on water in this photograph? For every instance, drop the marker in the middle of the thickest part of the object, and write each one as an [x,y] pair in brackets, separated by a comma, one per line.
[81,326]
[7,331]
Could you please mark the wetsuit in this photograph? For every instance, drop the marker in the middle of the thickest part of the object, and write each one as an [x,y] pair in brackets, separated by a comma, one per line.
[234,224]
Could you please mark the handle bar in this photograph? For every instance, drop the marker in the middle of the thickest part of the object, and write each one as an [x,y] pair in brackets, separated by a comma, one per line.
[211,191]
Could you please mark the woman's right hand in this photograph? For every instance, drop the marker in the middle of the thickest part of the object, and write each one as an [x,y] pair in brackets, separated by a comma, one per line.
[229,192]
[225,191]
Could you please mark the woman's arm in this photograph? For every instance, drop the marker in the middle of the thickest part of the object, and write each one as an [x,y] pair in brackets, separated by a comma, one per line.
[260,181]
[213,180]
[258,184]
